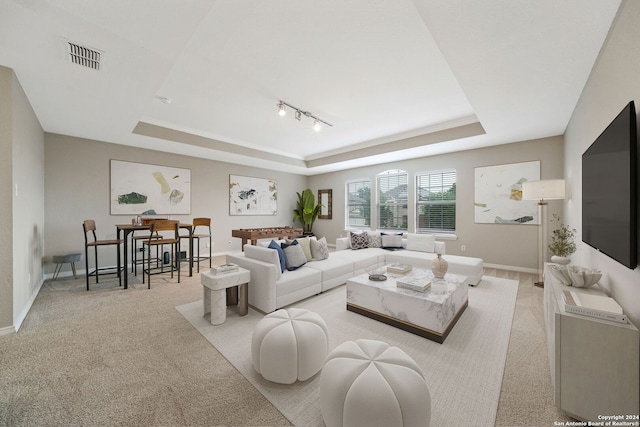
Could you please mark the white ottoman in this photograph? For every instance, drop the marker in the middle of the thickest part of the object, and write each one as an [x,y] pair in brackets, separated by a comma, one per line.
[289,345]
[369,383]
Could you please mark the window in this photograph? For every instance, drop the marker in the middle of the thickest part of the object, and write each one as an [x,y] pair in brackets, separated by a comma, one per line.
[392,200]
[436,202]
[358,204]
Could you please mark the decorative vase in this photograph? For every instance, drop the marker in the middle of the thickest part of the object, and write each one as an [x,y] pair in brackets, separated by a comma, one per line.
[562,260]
[439,267]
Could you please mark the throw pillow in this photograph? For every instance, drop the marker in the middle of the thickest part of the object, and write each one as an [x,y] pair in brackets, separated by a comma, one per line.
[319,249]
[278,248]
[293,255]
[305,244]
[421,242]
[359,240]
[374,239]
[391,241]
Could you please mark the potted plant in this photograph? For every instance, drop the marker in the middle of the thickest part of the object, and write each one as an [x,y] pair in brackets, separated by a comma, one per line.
[306,211]
[562,244]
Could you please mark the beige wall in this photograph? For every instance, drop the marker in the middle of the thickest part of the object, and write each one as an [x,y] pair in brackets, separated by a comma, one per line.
[6,207]
[77,188]
[498,244]
[614,81]
[22,217]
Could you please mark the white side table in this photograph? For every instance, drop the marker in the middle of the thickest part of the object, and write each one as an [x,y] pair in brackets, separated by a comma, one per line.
[214,288]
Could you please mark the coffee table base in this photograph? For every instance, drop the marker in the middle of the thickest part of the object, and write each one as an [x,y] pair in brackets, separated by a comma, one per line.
[410,327]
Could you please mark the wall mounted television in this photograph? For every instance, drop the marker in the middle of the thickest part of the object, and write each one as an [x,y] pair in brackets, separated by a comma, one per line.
[609,190]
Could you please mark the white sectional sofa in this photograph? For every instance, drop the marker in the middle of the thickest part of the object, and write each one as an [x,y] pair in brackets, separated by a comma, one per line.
[271,289]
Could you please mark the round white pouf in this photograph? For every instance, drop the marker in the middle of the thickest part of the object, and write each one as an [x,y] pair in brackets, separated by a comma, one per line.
[369,383]
[289,345]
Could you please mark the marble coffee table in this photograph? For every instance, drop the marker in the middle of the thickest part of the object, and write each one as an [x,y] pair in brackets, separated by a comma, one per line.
[430,314]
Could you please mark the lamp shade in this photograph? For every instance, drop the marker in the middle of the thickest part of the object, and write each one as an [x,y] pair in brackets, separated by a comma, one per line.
[547,189]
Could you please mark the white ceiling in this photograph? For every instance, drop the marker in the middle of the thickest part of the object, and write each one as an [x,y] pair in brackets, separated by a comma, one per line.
[459,74]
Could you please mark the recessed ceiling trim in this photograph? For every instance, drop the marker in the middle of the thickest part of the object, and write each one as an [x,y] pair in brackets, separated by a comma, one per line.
[465,131]
[162,132]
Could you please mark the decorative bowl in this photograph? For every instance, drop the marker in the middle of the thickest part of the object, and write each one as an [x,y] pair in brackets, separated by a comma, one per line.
[560,272]
[584,277]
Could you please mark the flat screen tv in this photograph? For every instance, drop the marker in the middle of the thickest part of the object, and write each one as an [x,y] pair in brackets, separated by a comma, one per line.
[609,190]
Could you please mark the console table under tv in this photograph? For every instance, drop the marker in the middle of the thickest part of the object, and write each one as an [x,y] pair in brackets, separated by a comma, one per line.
[254,234]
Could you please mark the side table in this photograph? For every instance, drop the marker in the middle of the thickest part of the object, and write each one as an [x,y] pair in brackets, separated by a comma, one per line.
[214,288]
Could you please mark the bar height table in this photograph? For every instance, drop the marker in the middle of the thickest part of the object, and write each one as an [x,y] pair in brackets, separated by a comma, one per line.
[130,228]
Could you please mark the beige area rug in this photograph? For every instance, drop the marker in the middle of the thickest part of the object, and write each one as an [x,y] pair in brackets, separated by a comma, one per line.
[464,374]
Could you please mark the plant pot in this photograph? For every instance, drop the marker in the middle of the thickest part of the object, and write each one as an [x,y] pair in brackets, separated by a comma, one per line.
[562,260]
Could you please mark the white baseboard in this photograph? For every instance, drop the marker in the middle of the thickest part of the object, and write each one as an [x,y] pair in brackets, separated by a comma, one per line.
[17,321]
[8,330]
[512,268]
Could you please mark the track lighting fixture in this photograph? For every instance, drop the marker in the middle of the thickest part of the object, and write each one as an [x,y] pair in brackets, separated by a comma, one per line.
[317,123]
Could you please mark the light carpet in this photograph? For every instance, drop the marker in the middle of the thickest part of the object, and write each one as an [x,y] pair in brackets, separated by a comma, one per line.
[464,374]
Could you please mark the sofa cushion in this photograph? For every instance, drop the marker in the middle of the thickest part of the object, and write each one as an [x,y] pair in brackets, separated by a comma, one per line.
[421,242]
[374,239]
[319,248]
[278,248]
[293,255]
[359,240]
[391,241]
[305,244]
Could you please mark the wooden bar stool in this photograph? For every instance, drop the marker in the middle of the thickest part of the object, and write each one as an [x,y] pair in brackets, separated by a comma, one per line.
[171,238]
[205,234]
[89,227]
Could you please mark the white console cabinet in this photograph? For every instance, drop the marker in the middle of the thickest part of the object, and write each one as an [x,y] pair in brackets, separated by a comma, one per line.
[594,363]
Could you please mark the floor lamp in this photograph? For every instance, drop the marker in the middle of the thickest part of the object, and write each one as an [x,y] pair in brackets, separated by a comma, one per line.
[548,189]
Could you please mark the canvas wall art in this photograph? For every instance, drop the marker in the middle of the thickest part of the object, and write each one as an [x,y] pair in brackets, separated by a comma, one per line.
[252,196]
[498,194]
[144,189]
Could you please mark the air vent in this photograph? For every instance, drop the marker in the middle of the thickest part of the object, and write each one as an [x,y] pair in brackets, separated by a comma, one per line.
[84,56]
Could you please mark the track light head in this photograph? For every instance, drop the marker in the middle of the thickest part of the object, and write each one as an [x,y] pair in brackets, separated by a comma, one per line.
[317,123]
[281,110]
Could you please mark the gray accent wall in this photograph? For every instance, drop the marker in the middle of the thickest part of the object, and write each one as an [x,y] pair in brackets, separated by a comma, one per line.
[77,188]
[498,244]
[22,211]
[614,81]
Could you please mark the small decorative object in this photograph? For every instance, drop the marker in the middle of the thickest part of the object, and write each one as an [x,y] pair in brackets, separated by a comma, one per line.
[560,272]
[399,268]
[439,267]
[378,274]
[562,244]
[584,277]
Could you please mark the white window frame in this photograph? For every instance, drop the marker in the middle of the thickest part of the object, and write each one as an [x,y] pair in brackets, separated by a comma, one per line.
[395,204]
[442,180]
[366,183]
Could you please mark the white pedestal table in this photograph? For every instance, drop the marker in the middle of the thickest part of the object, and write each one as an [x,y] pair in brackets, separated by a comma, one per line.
[214,288]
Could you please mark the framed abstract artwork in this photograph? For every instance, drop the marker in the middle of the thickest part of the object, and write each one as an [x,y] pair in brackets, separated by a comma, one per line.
[252,196]
[498,194]
[144,189]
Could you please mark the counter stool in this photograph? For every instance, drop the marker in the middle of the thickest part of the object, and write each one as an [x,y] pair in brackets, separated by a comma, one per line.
[205,234]
[63,259]
[89,227]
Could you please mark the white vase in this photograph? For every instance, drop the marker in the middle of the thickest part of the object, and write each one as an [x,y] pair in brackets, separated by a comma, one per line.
[439,267]
[562,260]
